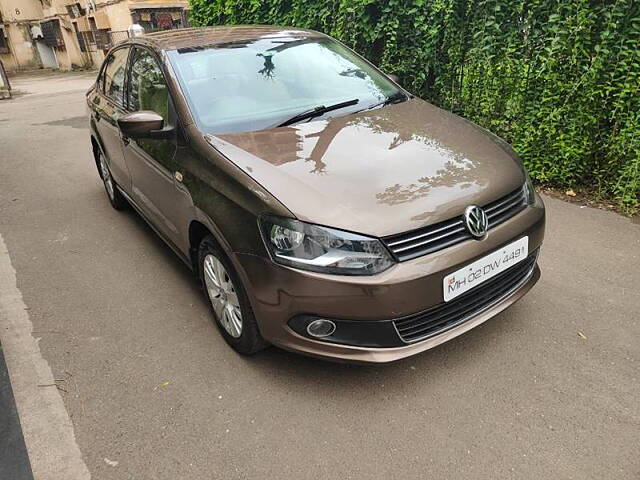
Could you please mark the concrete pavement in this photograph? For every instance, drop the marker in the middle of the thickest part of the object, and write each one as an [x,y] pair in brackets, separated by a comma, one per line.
[549,388]
[14,460]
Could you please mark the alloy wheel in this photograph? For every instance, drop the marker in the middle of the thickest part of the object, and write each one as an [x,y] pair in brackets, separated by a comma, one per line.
[223,295]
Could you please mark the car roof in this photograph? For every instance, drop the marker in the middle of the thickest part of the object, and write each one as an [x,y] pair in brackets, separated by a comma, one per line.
[200,37]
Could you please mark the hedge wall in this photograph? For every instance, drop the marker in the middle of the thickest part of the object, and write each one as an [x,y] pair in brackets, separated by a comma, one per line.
[560,80]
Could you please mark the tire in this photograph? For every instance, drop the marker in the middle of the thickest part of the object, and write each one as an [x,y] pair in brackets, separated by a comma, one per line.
[227,298]
[116,199]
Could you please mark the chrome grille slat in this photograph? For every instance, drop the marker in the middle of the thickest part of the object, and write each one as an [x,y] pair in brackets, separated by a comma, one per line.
[416,243]
[422,235]
[439,237]
[495,213]
[508,199]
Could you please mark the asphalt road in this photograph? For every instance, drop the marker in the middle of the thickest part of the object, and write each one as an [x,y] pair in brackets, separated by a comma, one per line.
[548,389]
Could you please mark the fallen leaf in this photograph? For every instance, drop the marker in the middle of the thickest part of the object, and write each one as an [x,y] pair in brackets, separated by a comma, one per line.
[571,193]
[582,335]
[164,384]
[111,463]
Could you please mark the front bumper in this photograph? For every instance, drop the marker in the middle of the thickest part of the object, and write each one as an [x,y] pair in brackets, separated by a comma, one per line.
[279,294]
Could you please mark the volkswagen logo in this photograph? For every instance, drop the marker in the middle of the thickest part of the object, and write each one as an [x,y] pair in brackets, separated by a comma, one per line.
[476,221]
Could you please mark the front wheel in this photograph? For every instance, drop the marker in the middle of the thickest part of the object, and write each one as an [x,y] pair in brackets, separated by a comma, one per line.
[228,299]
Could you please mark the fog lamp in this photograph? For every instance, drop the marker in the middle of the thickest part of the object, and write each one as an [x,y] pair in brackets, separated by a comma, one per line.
[321,328]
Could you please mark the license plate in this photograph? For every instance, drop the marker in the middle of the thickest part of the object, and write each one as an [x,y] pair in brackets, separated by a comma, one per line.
[481,270]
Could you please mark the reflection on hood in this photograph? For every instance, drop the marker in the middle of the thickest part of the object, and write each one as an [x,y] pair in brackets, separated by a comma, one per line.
[379,172]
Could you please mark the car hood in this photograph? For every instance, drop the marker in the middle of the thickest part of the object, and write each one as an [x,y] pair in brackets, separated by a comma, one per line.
[378,172]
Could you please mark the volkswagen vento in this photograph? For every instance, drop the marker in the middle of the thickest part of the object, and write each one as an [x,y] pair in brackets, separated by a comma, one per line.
[324,208]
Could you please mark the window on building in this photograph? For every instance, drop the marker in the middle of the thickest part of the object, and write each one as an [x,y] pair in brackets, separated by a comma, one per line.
[80,37]
[148,89]
[4,45]
[103,39]
[75,10]
[52,34]
[94,29]
[160,19]
[114,75]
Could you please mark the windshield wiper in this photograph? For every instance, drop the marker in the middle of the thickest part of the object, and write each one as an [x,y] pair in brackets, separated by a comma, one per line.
[317,111]
[393,98]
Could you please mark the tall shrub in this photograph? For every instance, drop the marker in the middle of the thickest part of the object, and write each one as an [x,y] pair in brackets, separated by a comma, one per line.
[560,80]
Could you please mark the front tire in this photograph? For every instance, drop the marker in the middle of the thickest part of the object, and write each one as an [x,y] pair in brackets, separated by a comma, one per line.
[113,194]
[228,300]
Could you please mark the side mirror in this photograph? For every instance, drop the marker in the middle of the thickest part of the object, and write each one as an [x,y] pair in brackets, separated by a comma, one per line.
[144,124]
[394,78]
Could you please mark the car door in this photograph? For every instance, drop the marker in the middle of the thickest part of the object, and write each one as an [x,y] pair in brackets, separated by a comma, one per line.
[155,172]
[108,106]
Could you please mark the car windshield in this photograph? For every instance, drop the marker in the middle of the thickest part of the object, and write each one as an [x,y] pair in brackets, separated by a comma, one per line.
[259,84]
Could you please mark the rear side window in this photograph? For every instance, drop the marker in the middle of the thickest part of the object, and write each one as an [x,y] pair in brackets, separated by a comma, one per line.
[114,75]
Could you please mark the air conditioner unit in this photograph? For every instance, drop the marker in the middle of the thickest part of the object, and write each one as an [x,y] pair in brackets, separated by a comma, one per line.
[36,32]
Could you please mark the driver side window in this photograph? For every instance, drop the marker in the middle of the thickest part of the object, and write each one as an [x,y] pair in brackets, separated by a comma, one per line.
[147,88]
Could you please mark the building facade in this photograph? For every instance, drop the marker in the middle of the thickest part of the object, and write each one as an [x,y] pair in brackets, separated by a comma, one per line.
[69,34]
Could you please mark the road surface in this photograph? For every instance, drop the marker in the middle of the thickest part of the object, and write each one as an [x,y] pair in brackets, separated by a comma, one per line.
[118,372]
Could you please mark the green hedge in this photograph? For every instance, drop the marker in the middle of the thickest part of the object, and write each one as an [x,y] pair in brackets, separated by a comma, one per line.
[557,79]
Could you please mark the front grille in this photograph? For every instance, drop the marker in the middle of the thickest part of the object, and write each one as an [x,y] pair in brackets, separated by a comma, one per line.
[432,238]
[448,315]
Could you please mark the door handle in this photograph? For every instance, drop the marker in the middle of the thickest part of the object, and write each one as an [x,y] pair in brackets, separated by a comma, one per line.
[125,140]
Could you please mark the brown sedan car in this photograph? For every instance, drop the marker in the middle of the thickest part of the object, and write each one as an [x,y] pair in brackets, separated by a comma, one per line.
[325,209]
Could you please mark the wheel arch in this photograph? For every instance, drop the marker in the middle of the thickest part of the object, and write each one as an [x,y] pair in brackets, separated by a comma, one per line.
[197,231]
[200,227]
[95,148]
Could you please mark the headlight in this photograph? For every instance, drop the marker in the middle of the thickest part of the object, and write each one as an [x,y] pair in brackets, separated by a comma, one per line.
[321,249]
[529,191]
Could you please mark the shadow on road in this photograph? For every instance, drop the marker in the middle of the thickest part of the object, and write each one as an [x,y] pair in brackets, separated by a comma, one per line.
[395,379]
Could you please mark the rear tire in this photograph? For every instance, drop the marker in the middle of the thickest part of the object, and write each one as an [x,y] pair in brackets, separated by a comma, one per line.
[228,299]
[116,199]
